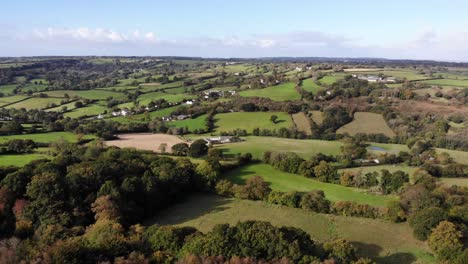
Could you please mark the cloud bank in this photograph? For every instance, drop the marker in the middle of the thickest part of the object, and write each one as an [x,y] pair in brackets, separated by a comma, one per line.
[429,44]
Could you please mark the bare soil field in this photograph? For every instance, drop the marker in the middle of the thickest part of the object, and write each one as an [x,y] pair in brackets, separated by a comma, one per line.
[145,141]
[302,122]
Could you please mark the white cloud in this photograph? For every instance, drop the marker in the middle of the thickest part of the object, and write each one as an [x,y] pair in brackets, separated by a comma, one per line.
[84,34]
[429,44]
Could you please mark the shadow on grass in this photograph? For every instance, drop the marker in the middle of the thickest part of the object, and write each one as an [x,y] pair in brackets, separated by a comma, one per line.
[373,251]
[190,208]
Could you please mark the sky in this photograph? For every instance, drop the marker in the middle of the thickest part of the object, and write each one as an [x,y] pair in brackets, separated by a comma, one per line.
[410,29]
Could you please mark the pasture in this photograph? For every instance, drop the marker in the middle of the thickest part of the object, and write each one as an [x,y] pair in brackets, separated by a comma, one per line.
[145,141]
[280,92]
[46,137]
[311,86]
[381,240]
[367,123]
[283,181]
[457,155]
[302,122]
[190,123]
[251,120]
[317,117]
[11,99]
[96,94]
[304,148]
[145,99]
[448,82]
[36,103]
[89,110]
[20,160]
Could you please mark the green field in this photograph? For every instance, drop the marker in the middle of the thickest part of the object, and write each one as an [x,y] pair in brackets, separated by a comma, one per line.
[36,103]
[69,106]
[7,89]
[367,123]
[145,116]
[20,160]
[191,124]
[46,137]
[310,86]
[90,110]
[144,99]
[283,181]
[97,94]
[383,241]
[448,82]
[251,120]
[281,92]
[304,148]
[11,99]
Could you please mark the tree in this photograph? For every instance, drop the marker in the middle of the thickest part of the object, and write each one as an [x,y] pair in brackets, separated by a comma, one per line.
[325,172]
[255,188]
[315,201]
[209,170]
[445,241]
[424,220]
[105,208]
[273,118]
[198,148]
[162,147]
[340,249]
[180,149]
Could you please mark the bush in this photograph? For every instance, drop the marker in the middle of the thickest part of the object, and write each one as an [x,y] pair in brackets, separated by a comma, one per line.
[348,208]
[315,201]
[255,188]
[224,188]
[340,249]
[395,212]
[290,199]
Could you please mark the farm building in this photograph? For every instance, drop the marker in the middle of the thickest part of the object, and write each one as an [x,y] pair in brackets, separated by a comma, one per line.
[221,140]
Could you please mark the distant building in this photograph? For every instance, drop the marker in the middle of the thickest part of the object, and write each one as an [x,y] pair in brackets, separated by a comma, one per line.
[220,140]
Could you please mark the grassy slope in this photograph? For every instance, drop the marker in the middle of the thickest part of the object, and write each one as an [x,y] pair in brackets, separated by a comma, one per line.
[367,123]
[385,242]
[251,120]
[283,181]
[281,92]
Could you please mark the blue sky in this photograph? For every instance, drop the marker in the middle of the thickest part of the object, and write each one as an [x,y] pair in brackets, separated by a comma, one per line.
[362,28]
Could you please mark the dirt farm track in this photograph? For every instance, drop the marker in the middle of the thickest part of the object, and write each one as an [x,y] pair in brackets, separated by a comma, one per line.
[146,141]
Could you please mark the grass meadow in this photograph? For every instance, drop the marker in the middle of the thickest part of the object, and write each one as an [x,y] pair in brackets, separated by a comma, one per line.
[251,120]
[366,123]
[281,92]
